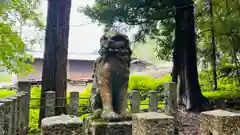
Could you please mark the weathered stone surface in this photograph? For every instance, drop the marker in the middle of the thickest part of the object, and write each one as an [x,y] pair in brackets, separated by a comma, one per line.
[1,119]
[62,125]
[7,115]
[152,123]
[220,122]
[110,128]
[14,111]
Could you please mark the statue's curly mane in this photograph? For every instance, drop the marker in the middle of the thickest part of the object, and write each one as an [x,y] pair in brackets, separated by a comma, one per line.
[116,46]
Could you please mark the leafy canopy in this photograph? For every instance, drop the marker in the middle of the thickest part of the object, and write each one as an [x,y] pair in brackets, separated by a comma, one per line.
[12,48]
[153,18]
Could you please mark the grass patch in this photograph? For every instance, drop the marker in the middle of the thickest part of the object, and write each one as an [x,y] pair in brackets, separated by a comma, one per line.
[5,93]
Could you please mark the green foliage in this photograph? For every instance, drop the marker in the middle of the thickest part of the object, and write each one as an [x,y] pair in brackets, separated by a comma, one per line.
[226,28]
[6,93]
[153,18]
[33,122]
[146,83]
[228,88]
[12,47]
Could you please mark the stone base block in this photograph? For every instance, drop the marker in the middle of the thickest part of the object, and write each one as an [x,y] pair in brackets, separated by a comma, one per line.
[110,128]
[152,123]
[62,125]
[219,122]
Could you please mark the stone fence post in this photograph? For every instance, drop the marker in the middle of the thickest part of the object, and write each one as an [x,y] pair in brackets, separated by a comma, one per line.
[14,112]
[153,101]
[50,104]
[26,87]
[8,110]
[20,114]
[74,100]
[2,118]
[135,101]
[170,107]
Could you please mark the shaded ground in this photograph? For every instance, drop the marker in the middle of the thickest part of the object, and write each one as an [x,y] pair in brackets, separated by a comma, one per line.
[189,122]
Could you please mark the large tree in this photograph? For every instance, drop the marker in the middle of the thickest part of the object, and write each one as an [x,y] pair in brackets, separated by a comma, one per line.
[55,55]
[148,16]
[12,46]
[190,93]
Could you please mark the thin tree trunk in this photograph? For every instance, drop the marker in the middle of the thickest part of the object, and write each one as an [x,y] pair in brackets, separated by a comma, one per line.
[213,53]
[236,64]
[62,54]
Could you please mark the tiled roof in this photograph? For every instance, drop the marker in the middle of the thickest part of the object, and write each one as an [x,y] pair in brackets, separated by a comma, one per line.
[71,56]
[141,61]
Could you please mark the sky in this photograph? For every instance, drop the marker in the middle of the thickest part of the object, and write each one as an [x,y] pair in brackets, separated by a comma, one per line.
[82,39]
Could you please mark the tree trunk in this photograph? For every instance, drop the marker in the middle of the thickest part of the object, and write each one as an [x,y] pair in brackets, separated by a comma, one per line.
[49,61]
[213,53]
[62,54]
[54,71]
[175,68]
[190,93]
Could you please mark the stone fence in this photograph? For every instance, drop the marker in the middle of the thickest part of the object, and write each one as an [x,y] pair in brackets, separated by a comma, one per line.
[148,123]
[153,101]
[14,111]
[14,114]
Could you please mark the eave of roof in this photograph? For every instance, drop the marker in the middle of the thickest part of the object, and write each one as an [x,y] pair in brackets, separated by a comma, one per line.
[71,56]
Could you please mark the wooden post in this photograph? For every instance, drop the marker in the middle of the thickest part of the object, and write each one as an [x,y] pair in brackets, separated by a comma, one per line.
[74,100]
[135,101]
[50,103]
[170,107]
[153,101]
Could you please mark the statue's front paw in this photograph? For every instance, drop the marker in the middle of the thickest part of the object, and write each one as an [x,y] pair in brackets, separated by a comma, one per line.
[110,116]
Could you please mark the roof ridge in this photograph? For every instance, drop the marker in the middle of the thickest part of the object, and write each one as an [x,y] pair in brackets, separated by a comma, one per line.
[68,53]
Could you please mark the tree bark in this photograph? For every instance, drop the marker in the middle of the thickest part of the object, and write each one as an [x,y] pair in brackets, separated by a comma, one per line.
[175,68]
[190,93]
[49,61]
[54,71]
[62,54]
[213,50]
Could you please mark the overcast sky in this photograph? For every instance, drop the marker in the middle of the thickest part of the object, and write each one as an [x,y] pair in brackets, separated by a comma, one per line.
[82,39]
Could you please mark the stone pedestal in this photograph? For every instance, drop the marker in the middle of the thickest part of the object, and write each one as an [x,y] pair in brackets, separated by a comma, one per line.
[152,123]
[110,128]
[62,125]
[220,122]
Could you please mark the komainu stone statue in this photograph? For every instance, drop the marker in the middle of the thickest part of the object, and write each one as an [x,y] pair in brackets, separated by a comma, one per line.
[111,74]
